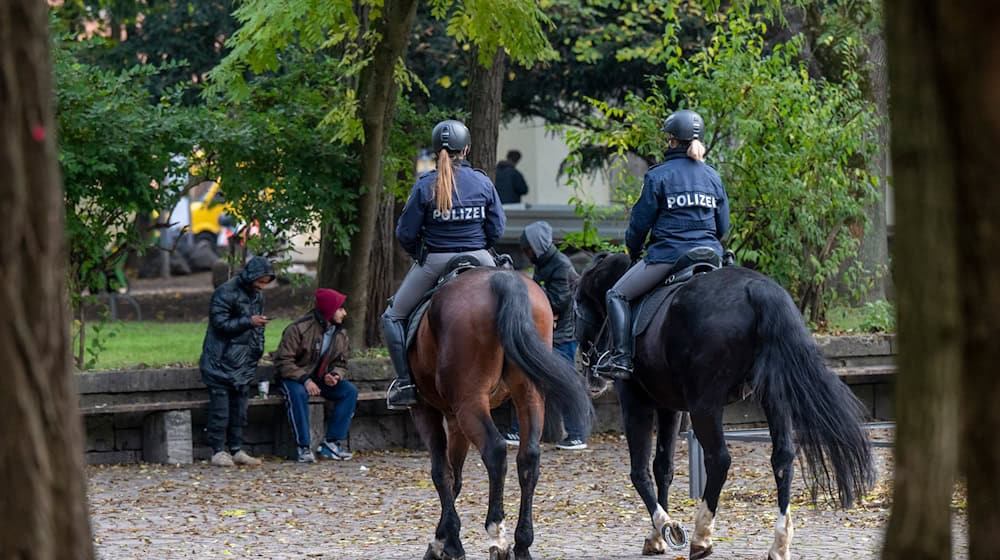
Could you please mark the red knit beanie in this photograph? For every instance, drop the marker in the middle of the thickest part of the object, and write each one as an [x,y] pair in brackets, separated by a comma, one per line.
[328,302]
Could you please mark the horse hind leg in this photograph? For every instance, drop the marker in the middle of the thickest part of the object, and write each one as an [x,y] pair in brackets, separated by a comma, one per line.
[476,423]
[458,450]
[783,465]
[531,415]
[447,543]
[708,428]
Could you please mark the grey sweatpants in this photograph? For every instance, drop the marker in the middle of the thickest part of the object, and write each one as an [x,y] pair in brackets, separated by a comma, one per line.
[421,278]
[641,278]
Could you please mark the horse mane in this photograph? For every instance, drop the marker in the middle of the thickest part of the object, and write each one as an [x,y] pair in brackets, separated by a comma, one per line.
[602,273]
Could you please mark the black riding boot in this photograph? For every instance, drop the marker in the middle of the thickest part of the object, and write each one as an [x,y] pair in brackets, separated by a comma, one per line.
[402,394]
[619,365]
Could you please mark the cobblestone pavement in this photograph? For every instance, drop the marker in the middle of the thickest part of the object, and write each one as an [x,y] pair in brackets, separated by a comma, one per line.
[383,506]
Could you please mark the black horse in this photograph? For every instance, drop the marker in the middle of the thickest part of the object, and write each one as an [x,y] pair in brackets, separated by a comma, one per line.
[726,334]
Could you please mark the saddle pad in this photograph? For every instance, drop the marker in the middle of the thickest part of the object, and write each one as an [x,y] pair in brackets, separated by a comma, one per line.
[456,266]
[650,304]
[414,321]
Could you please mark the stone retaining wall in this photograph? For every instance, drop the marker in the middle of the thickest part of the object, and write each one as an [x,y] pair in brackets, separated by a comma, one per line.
[118,438]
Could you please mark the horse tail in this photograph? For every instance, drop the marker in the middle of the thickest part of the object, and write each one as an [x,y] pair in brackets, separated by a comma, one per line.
[789,373]
[554,376]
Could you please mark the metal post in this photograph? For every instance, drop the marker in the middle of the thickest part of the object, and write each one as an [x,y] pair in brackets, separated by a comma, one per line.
[696,467]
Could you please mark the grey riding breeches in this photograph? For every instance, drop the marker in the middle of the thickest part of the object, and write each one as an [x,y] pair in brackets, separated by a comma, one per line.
[421,278]
[641,278]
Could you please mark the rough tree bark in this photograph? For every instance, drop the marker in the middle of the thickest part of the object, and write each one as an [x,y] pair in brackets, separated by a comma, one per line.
[874,250]
[485,91]
[945,80]
[377,92]
[43,508]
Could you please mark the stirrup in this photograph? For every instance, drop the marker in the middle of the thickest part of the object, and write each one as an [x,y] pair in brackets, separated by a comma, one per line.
[607,367]
[400,397]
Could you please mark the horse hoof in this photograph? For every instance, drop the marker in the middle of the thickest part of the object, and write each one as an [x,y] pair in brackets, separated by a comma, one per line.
[497,554]
[523,556]
[676,536]
[431,555]
[699,552]
[652,547]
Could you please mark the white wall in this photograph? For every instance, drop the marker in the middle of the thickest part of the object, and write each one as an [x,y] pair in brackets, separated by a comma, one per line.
[542,152]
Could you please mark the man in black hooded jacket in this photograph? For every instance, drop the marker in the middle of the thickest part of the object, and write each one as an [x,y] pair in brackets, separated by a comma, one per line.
[234,343]
[555,274]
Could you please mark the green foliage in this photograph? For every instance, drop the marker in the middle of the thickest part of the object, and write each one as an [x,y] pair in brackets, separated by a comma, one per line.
[187,34]
[791,151]
[873,317]
[514,25]
[410,132]
[879,316]
[99,337]
[115,150]
[268,29]
[124,158]
[272,152]
[843,29]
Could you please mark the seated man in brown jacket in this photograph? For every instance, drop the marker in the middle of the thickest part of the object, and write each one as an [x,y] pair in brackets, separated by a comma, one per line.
[312,360]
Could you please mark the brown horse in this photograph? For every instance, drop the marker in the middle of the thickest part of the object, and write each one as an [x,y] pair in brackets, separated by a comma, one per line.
[487,336]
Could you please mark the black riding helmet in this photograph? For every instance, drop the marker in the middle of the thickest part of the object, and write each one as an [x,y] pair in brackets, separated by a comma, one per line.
[450,135]
[685,125]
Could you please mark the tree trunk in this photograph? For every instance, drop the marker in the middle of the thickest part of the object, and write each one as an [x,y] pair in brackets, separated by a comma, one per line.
[874,250]
[485,91]
[382,267]
[945,123]
[377,92]
[969,80]
[44,513]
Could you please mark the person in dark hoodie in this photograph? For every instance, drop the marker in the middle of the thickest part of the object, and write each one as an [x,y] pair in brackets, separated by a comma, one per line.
[555,274]
[510,183]
[312,360]
[234,343]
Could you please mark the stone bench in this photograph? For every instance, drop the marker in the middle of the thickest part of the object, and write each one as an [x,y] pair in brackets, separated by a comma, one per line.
[167,426]
[159,415]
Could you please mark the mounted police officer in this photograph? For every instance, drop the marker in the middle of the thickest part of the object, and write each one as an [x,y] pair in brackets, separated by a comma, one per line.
[452,210]
[683,205]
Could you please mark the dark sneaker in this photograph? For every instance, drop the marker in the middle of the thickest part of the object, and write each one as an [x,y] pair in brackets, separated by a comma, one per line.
[306,456]
[573,444]
[333,451]
[400,397]
[512,439]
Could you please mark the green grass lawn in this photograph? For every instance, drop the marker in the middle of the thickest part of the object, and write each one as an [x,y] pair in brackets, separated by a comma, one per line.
[152,344]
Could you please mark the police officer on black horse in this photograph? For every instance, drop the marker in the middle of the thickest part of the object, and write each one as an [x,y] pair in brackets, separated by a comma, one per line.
[452,210]
[685,206]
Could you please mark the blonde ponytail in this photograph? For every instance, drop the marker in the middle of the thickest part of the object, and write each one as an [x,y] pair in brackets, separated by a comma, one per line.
[445,185]
[696,150]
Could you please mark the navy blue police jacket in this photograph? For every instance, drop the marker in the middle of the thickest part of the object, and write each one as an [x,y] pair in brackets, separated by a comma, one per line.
[683,205]
[476,219]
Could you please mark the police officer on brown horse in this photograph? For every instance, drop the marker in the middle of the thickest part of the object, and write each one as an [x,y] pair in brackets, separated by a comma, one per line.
[683,205]
[452,210]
